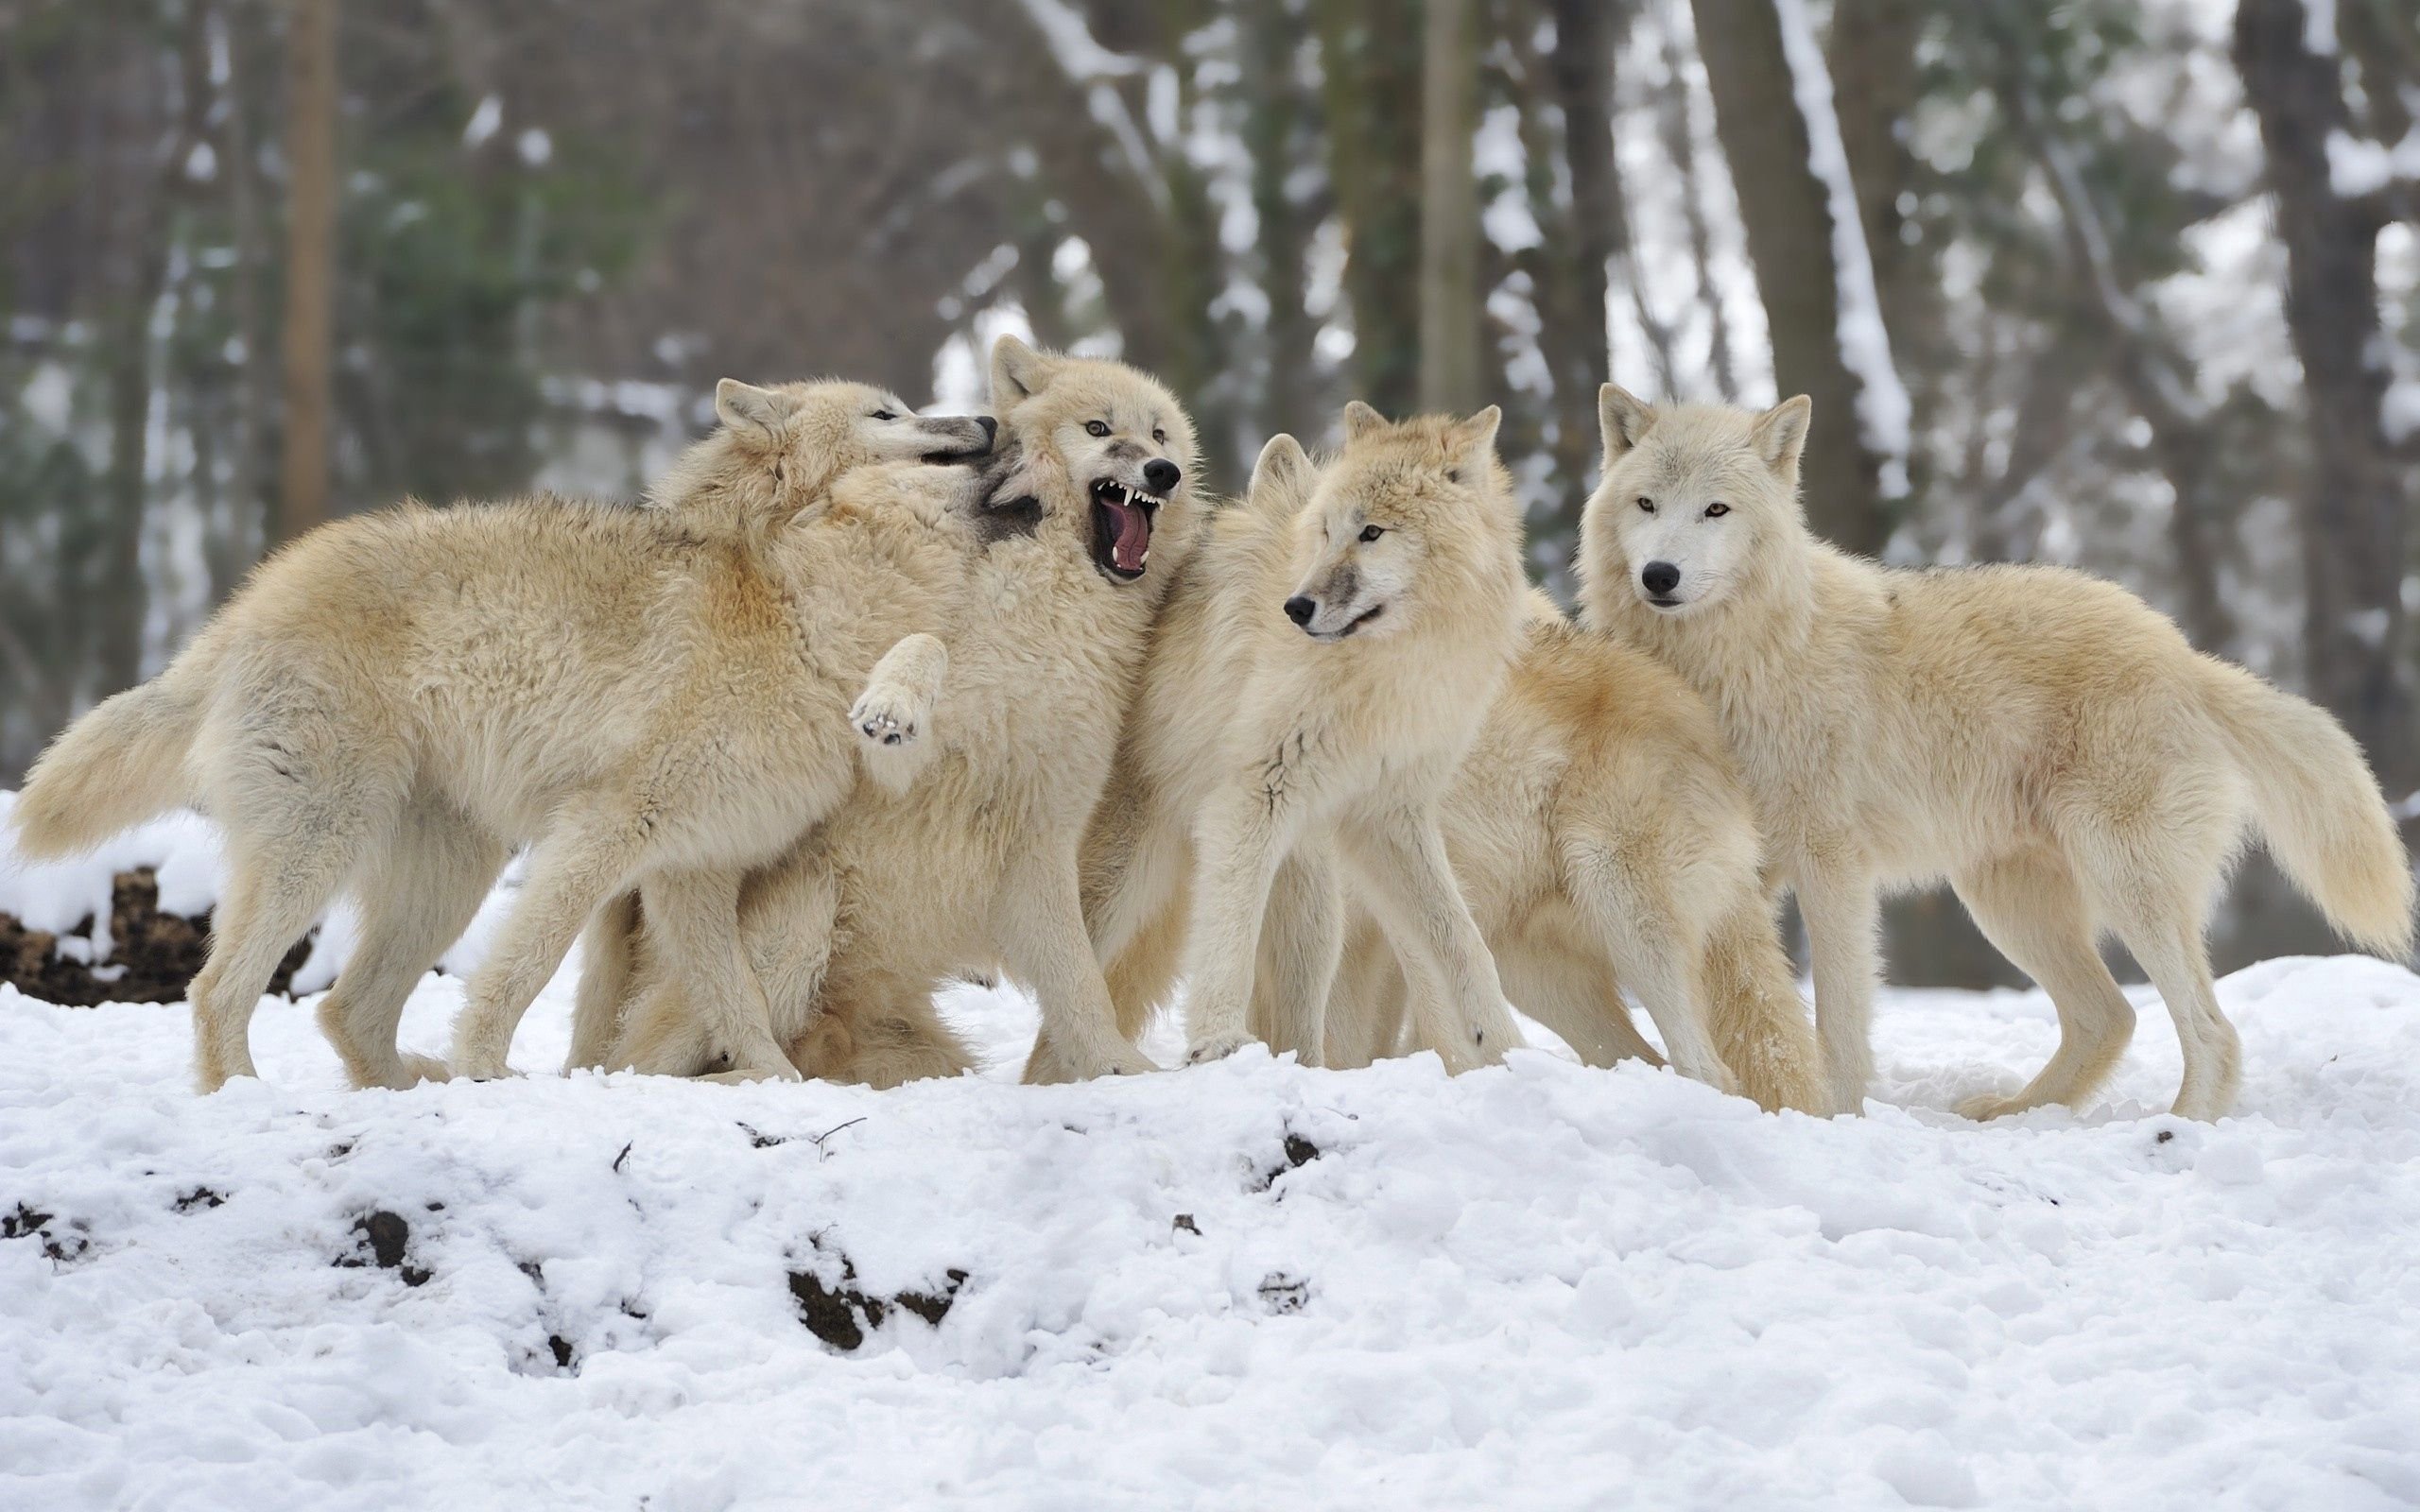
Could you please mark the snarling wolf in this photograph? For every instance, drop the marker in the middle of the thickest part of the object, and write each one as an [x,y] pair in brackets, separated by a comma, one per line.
[395,699]
[855,927]
[1322,667]
[2045,740]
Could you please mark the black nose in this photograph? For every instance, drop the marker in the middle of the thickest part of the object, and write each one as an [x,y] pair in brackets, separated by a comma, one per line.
[1659,576]
[1300,609]
[991,428]
[1161,474]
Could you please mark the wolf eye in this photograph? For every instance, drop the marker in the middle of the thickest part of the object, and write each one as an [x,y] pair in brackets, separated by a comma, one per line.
[1453,474]
[1160,436]
[884,414]
[1095,427]
[1716,511]
[1647,503]
[1372,532]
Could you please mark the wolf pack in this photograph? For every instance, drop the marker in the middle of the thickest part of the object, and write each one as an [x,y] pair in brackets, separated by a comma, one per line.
[858,701]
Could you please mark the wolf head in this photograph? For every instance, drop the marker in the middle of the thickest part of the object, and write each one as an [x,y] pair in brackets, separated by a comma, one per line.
[1108,458]
[1694,498]
[778,449]
[1409,508]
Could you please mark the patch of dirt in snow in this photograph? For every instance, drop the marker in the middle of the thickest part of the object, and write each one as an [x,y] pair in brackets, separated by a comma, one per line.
[152,955]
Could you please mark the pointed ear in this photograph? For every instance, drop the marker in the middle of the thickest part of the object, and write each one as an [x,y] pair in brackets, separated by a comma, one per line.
[1780,434]
[1018,373]
[1624,418]
[1282,464]
[1361,420]
[1475,433]
[752,414]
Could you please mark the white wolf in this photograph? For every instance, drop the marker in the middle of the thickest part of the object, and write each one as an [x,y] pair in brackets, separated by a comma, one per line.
[976,870]
[397,697]
[1603,837]
[2045,740]
[1324,666]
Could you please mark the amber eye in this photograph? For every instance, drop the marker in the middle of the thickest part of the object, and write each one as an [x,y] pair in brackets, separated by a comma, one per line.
[1095,427]
[1372,532]
[1160,436]
[1716,511]
[1647,504]
[884,414]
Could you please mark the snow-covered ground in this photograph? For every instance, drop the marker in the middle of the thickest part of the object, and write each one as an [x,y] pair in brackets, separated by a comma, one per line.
[1245,1287]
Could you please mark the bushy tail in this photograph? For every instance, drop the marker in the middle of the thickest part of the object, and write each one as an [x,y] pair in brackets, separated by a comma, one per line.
[2320,810]
[1758,1022]
[118,765]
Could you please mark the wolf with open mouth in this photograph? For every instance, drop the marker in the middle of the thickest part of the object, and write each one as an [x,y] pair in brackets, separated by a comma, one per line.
[976,869]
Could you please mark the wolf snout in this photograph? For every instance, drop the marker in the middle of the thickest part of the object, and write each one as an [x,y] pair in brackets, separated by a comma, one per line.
[1300,609]
[991,429]
[1160,476]
[1659,578]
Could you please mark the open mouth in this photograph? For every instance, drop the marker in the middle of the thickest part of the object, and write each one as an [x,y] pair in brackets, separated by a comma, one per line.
[1122,529]
[1351,626]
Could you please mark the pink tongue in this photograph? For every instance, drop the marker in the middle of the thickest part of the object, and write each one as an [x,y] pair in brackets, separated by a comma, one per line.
[1133,537]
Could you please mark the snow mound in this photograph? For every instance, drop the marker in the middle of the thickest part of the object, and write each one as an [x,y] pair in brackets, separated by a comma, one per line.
[1238,1286]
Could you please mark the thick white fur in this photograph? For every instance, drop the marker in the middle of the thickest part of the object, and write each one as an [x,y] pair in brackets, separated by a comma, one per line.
[1257,749]
[2045,740]
[395,699]
[976,871]
[1602,836]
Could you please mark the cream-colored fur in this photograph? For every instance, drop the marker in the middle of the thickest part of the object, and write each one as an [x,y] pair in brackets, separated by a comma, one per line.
[393,700]
[976,870]
[2045,740]
[1601,833]
[1261,747]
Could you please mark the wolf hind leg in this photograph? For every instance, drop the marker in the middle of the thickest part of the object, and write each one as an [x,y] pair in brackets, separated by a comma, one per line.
[2032,910]
[428,886]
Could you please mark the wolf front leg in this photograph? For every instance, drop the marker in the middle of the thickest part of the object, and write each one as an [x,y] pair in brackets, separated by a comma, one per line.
[1243,834]
[1301,943]
[1837,899]
[1401,856]
[894,714]
[1039,925]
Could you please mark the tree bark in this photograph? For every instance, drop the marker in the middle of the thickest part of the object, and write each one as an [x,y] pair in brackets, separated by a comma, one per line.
[1872,52]
[310,263]
[1371,57]
[1789,221]
[1273,123]
[2352,503]
[1450,300]
[1582,70]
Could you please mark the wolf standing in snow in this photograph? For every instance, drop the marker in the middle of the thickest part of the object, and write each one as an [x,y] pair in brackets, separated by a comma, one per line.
[2047,741]
[396,699]
[1603,837]
[854,928]
[1325,665]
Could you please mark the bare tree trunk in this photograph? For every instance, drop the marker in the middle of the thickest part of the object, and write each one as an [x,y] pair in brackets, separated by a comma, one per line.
[1795,243]
[1450,303]
[1871,51]
[1271,126]
[310,262]
[247,525]
[1372,56]
[2352,505]
[1582,67]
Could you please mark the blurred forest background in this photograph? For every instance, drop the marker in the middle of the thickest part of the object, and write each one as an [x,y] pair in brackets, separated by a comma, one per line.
[2134,286]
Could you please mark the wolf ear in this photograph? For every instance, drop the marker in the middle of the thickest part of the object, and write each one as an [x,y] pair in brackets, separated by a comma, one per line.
[1780,434]
[752,414]
[1623,417]
[1018,373]
[1282,464]
[1475,433]
[1361,420]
